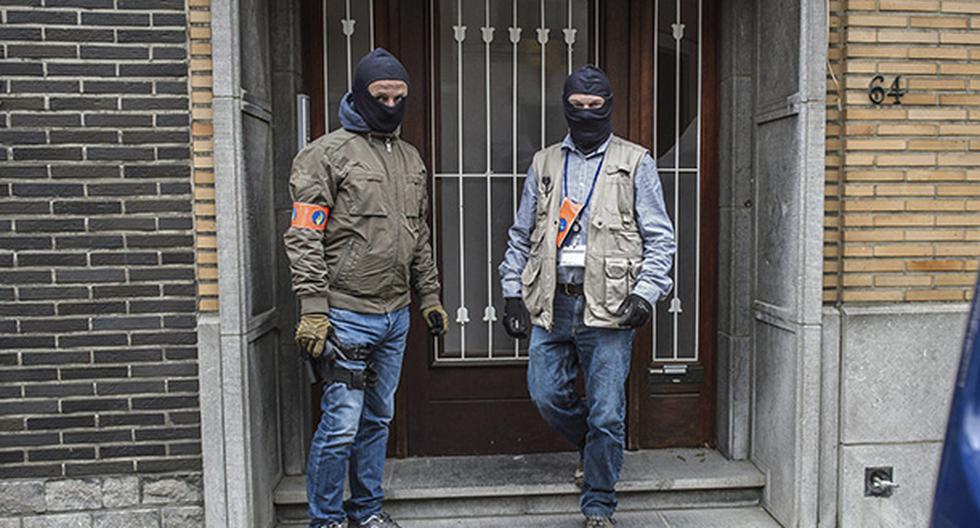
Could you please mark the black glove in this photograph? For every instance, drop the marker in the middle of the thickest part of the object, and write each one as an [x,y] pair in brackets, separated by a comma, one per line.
[517,321]
[635,310]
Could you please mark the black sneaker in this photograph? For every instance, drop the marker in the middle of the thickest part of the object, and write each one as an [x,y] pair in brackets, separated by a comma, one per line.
[599,521]
[379,520]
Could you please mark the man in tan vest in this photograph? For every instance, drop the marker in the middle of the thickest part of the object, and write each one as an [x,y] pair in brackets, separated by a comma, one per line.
[589,255]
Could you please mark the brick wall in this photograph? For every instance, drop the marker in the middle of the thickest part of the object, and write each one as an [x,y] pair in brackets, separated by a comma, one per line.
[905,179]
[98,370]
[203,132]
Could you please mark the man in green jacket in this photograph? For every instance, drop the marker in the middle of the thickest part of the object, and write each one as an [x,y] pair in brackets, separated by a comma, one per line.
[357,246]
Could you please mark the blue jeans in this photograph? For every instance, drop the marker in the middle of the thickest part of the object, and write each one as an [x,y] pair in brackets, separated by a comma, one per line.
[353,429]
[596,424]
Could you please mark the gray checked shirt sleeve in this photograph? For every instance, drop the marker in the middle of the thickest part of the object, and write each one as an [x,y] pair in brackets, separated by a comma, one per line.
[519,239]
[657,231]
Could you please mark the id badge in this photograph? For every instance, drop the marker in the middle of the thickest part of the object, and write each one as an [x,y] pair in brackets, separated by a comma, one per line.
[572,257]
[566,218]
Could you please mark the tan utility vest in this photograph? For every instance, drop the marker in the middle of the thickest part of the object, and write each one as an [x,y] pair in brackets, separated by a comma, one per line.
[614,251]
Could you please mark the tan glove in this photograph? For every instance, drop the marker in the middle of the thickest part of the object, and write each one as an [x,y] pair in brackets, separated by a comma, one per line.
[312,332]
[437,319]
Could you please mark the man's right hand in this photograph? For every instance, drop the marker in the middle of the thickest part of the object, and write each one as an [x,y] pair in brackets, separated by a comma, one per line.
[312,332]
[517,320]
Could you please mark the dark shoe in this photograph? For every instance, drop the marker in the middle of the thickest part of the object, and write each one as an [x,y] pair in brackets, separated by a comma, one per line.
[599,521]
[379,520]
[579,475]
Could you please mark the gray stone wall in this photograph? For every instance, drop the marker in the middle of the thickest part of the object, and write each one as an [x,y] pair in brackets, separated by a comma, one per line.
[99,421]
[130,501]
[897,369]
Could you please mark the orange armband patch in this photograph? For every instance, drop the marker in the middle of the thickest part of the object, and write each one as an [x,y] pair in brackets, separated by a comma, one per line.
[310,216]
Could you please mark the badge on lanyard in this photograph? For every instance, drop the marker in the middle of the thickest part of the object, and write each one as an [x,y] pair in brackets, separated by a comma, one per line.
[569,212]
[566,218]
[572,257]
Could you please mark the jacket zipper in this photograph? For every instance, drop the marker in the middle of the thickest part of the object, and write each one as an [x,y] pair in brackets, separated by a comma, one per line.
[387,142]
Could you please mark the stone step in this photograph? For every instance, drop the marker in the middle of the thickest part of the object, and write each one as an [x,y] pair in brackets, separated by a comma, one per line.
[540,485]
[745,517]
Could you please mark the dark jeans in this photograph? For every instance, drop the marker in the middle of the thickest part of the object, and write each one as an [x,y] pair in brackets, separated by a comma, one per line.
[354,427]
[597,423]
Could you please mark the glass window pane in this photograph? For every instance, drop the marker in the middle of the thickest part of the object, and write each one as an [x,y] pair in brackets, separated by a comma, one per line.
[685,218]
[666,84]
[688,102]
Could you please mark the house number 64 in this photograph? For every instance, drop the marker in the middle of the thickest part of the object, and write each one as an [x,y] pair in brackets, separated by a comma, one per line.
[877,92]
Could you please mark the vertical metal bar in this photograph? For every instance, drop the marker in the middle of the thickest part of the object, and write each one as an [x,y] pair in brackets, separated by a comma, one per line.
[656,83]
[515,38]
[697,176]
[656,70]
[569,35]
[678,36]
[348,26]
[371,17]
[326,77]
[436,164]
[462,317]
[595,34]
[489,314]
[543,40]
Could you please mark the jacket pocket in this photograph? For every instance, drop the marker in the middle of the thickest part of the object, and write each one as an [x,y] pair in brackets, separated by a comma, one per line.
[366,192]
[415,194]
[617,272]
[339,273]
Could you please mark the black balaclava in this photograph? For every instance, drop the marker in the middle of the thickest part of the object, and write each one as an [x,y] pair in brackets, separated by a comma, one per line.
[589,127]
[376,66]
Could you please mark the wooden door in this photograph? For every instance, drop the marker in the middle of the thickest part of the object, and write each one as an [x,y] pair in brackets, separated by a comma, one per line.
[487,78]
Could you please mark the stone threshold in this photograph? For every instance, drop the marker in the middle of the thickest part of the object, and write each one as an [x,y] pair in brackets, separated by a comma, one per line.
[461,477]
[753,517]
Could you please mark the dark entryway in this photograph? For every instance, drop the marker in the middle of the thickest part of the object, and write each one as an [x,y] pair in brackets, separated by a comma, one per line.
[485,94]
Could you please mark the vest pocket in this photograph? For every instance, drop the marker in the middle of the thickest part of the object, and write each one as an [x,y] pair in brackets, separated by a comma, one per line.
[537,233]
[617,282]
[620,177]
[532,292]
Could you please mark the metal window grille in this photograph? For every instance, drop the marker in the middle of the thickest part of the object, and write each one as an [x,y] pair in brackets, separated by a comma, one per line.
[499,79]
[677,144]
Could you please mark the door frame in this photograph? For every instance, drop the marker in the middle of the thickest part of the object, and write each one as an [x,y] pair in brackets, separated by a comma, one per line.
[398,25]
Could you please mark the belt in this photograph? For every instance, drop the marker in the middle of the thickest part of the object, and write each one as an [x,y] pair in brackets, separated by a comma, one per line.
[571,290]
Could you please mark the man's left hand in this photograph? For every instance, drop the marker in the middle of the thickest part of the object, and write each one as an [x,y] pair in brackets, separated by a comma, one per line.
[635,311]
[437,319]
